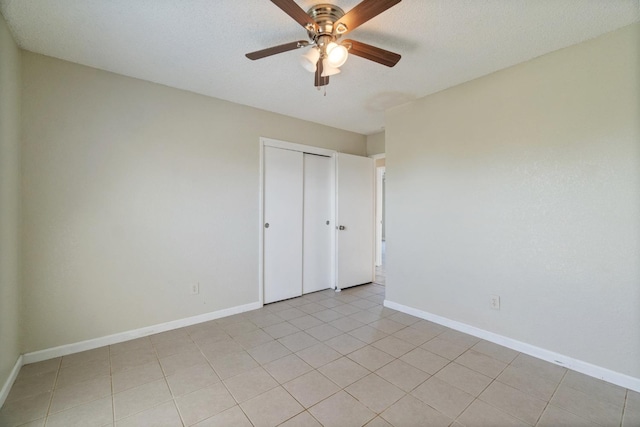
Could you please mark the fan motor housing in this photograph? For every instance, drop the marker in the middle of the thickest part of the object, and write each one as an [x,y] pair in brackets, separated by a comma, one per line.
[325,15]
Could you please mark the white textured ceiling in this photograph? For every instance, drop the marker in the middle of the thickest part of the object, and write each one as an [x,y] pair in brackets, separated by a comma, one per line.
[199,45]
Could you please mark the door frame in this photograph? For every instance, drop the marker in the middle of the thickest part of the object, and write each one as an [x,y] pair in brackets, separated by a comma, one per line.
[378,209]
[269,142]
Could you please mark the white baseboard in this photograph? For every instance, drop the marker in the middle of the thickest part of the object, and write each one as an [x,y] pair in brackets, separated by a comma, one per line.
[63,350]
[6,387]
[586,368]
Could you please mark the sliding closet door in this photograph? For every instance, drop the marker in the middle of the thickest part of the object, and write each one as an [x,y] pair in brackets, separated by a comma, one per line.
[318,224]
[283,202]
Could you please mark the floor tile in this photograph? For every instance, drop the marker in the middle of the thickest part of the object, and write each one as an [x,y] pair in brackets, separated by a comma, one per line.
[96,413]
[581,404]
[556,417]
[424,360]
[414,336]
[232,417]
[77,373]
[323,332]
[365,316]
[346,324]
[528,383]
[405,319]
[129,359]
[164,415]
[271,408]
[204,403]
[142,344]
[268,352]
[190,379]
[250,384]
[513,402]
[328,315]
[220,349]
[39,368]
[240,328]
[459,338]
[266,319]
[168,348]
[179,361]
[347,310]
[344,371]
[442,396]
[24,410]
[140,398]
[480,414]
[375,393]
[32,385]
[345,344]
[253,339]
[444,348]
[311,308]
[101,353]
[281,330]
[496,351]
[368,334]
[387,326]
[598,389]
[287,368]
[378,422]
[464,378]
[136,376]
[481,363]
[291,313]
[370,357]
[305,322]
[393,346]
[77,394]
[233,364]
[311,388]
[341,410]
[410,411]
[402,375]
[539,368]
[318,355]
[298,341]
[303,419]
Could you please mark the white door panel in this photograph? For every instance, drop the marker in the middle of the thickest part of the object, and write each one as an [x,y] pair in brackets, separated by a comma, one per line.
[318,224]
[355,212]
[283,198]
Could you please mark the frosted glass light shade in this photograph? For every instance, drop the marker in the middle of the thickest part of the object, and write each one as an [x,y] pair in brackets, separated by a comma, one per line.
[336,54]
[310,59]
[328,69]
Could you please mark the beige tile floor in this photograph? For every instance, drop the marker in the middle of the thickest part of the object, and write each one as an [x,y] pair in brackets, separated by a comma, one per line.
[333,359]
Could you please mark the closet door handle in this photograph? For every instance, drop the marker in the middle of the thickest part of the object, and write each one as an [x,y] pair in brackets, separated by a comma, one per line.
[266,225]
[342,227]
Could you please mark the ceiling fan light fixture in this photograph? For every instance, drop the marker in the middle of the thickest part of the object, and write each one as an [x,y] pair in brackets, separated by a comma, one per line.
[328,69]
[310,59]
[336,54]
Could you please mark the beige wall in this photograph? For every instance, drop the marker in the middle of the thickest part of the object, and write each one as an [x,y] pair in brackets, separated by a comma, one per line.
[375,144]
[526,184]
[133,191]
[9,202]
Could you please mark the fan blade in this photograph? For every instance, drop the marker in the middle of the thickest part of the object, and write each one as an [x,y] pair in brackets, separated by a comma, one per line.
[276,49]
[372,53]
[319,80]
[363,12]
[297,13]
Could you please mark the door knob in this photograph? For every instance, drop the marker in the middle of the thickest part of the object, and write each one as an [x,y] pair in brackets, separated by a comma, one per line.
[327,222]
[266,225]
[342,227]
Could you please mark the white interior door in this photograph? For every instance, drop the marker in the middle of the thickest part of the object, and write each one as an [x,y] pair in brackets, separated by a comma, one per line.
[355,220]
[318,224]
[283,197]
[379,201]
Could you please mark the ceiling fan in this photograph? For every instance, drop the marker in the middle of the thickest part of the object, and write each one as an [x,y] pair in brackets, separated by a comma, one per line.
[326,24]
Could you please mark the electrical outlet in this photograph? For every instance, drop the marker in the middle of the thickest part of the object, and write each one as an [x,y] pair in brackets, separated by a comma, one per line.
[495,302]
[195,288]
